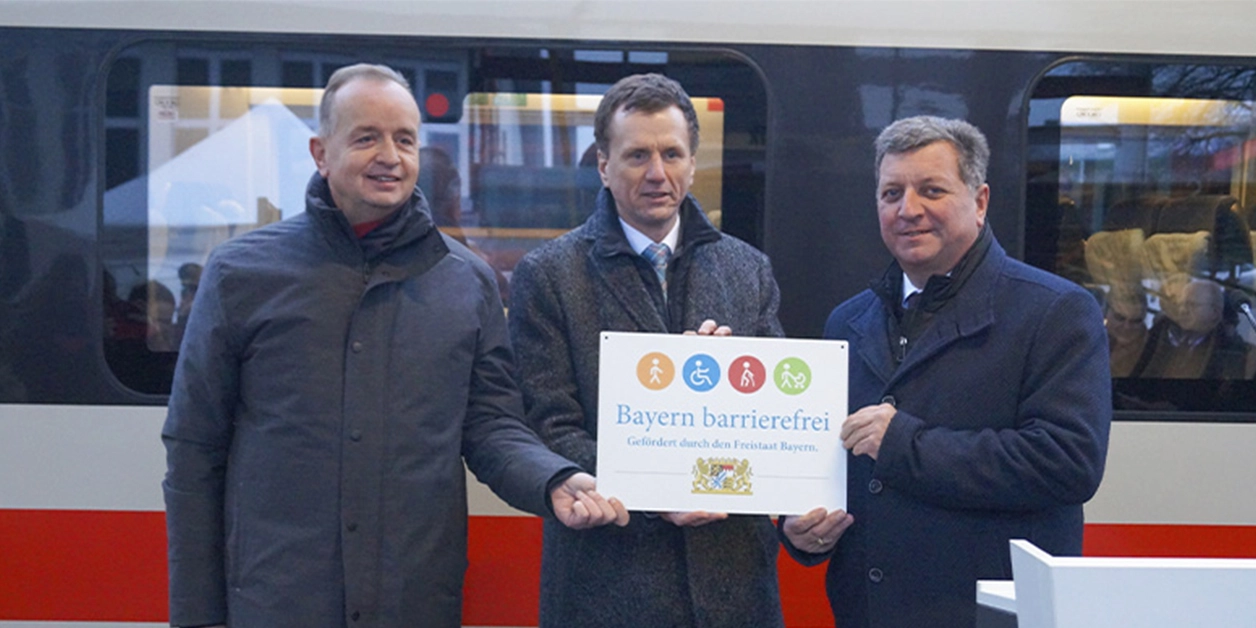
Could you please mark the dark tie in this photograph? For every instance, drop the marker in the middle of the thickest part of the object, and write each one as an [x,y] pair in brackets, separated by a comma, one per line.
[911,301]
[659,254]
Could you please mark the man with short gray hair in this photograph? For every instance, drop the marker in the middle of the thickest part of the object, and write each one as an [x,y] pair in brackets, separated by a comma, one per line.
[982,393]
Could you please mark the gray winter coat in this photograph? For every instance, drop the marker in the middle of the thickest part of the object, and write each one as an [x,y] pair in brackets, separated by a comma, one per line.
[650,573]
[326,395]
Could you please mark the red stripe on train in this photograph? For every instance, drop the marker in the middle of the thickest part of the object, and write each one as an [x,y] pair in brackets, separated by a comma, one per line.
[1169,541]
[110,566]
[72,565]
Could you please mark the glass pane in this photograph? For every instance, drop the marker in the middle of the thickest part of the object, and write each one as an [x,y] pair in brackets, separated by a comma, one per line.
[224,160]
[1153,199]
[220,161]
[533,167]
[507,159]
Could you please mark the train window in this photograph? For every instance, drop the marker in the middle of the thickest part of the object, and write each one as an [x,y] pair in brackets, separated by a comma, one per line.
[533,166]
[1142,188]
[215,143]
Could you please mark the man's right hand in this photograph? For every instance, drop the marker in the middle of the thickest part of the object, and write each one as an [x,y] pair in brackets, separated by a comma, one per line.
[579,506]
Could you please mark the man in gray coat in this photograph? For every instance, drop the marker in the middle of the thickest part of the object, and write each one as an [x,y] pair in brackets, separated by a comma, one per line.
[337,369]
[665,569]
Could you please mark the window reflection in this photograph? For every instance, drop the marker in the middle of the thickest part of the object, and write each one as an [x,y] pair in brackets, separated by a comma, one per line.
[1166,179]
[1153,198]
[530,171]
[503,173]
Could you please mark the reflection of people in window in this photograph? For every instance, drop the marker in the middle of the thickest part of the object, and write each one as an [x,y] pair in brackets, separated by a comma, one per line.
[1191,339]
[1070,256]
[190,280]
[1229,251]
[1125,317]
[442,185]
[157,304]
[53,304]
[140,349]
[588,184]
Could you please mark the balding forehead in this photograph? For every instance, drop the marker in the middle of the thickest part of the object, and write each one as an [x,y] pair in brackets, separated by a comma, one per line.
[354,84]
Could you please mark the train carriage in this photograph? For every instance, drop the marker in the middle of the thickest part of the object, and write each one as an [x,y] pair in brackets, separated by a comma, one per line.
[136,135]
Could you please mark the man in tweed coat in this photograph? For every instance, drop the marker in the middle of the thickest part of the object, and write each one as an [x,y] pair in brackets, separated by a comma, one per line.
[664,569]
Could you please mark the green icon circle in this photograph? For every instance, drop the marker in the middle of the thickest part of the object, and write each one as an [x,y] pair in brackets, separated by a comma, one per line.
[792,376]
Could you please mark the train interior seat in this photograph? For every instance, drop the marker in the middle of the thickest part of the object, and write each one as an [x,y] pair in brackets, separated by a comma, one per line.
[1116,257]
[1139,212]
[1171,254]
[1154,237]
[1187,214]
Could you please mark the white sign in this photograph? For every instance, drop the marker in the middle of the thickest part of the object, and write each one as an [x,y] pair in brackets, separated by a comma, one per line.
[721,424]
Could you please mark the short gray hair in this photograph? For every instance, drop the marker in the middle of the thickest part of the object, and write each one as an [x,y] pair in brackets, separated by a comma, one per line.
[909,134]
[342,77]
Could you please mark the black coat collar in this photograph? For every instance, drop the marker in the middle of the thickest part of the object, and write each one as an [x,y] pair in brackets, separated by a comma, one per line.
[408,225]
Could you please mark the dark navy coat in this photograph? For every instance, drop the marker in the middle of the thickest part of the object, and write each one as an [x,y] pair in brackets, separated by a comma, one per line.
[1001,433]
[327,393]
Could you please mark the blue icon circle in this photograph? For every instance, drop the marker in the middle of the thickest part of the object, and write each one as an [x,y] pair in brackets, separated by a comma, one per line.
[701,372]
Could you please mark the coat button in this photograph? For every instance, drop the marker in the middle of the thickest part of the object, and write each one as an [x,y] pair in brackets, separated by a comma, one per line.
[890,400]
[355,615]
[352,527]
[874,486]
[875,574]
[355,435]
[357,346]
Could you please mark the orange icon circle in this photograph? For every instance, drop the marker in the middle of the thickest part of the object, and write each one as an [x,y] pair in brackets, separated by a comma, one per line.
[655,371]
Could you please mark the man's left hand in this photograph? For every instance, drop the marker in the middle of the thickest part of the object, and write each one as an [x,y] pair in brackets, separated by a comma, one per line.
[862,432]
[578,505]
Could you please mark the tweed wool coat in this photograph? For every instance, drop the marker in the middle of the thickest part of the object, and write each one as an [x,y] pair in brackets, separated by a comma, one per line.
[328,390]
[1004,404]
[650,573]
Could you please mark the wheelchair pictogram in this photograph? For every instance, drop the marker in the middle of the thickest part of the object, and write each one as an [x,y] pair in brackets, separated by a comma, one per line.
[701,372]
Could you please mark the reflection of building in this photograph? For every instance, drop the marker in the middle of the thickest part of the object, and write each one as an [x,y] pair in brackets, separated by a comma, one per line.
[231,181]
[529,165]
[518,153]
[129,106]
[206,142]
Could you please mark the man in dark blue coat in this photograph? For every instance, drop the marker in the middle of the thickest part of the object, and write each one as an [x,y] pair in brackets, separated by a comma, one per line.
[338,368]
[982,393]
